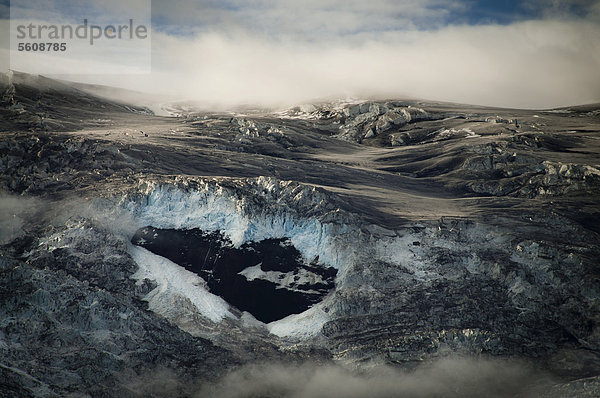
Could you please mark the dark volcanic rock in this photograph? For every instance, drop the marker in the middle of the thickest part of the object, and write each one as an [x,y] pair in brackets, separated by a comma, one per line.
[75,310]
[408,231]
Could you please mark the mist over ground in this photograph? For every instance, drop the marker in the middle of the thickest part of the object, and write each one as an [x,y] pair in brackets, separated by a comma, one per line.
[537,54]
[446,250]
[447,377]
[536,64]
[14,213]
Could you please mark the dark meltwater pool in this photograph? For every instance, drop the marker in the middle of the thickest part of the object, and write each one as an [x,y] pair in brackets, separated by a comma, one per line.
[270,279]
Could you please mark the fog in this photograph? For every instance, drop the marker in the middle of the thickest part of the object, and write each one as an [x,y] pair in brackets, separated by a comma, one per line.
[280,53]
[449,377]
[535,64]
[532,64]
[14,213]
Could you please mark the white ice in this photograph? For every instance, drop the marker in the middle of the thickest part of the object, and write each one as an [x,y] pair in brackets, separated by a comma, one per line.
[300,326]
[170,207]
[287,280]
[213,208]
[175,282]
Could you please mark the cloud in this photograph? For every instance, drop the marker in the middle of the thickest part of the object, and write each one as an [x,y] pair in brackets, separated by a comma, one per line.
[310,19]
[314,20]
[68,11]
[450,377]
[14,215]
[279,53]
[562,8]
[445,378]
[532,64]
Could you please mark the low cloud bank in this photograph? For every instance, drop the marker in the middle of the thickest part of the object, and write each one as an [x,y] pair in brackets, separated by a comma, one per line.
[533,64]
[450,377]
[286,53]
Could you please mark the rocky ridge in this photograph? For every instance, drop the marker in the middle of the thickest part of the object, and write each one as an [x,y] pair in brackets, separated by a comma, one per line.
[454,232]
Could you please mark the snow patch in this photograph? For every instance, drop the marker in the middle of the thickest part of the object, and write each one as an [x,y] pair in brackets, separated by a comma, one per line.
[283,280]
[452,132]
[249,321]
[175,282]
[301,326]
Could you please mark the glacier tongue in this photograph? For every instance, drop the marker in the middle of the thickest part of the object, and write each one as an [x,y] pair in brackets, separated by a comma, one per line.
[301,326]
[176,283]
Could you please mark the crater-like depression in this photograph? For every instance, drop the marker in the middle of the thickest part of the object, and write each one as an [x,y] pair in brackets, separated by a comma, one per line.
[269,278]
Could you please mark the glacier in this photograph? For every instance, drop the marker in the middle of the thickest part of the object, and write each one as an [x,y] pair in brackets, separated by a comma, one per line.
[212,207]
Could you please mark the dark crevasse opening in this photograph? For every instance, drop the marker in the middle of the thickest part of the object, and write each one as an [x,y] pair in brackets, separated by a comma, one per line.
[269,278]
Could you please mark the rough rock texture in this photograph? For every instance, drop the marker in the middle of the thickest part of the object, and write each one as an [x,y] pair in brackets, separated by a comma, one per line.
[72,322]
[454,230]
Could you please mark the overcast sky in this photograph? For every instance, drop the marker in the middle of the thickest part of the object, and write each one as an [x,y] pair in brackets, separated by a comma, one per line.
[530,53]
